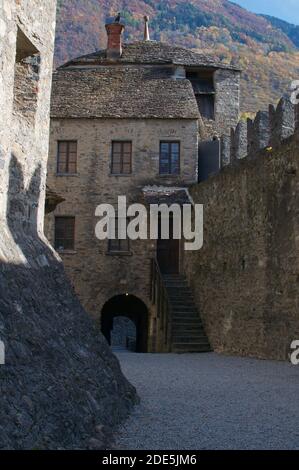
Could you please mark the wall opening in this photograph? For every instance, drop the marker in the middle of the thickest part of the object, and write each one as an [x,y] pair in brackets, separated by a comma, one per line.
[130,308]
[26,78]
[123,334]
[204,89]
[209,161]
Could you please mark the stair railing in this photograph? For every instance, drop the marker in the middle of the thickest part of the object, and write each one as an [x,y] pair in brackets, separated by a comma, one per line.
[160,298]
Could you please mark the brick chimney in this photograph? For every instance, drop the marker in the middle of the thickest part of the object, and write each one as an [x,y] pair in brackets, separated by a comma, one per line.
[114,47]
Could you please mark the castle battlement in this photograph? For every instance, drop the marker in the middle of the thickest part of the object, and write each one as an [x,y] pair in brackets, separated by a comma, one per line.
[266,131]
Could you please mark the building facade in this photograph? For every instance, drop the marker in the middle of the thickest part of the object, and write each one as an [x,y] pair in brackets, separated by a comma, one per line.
[128,121]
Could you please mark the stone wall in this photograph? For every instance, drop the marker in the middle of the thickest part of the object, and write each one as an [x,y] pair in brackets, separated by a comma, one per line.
[96,275]
[60,387]
[267,129]
[246,277]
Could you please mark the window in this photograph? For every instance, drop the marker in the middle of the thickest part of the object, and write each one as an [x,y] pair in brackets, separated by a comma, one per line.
[206,105]
[117,245]
[64,233]
[67,157]
[121,162]
[169,158]
[204,90]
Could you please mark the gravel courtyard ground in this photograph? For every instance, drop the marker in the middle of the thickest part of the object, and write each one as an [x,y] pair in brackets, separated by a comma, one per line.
[208,401]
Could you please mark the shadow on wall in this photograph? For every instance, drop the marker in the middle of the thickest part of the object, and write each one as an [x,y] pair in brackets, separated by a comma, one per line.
[22,204]
[60,381]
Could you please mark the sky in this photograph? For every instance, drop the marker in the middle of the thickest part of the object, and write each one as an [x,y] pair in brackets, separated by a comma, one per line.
[287,10]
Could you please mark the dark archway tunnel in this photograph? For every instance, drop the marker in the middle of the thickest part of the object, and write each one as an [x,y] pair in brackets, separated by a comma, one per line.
[131,307]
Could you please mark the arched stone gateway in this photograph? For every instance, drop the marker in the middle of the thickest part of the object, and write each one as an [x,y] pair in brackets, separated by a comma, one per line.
[130,307]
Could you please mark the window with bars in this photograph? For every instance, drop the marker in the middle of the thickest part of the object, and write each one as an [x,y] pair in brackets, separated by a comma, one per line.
[64,233]
[169,158]
[117,245]
[121,160]
[67,157]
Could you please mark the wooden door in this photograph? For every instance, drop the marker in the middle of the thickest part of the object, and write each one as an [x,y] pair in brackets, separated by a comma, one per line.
[168,252]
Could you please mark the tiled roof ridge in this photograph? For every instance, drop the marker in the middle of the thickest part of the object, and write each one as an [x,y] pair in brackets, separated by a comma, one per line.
[169,54]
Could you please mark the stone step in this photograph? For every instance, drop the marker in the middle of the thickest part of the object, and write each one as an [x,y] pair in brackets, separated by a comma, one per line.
[188,334]
[182,303]
[191,348]
[187,329]
[173,285]
[184,308]
[177,297]
[186,321]
[182,284]
[198,333]
[188,326]
[173,276]
[185,316]
[196,338]
[177,294]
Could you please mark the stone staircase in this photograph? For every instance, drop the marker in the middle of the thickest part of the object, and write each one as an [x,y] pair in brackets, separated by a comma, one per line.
[187,330]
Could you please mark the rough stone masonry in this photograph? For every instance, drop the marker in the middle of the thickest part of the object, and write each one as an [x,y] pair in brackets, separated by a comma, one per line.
[60,387]
[246,278]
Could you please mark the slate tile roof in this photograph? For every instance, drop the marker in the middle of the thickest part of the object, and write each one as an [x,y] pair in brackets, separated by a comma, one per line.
[154,52]
[121,92]
[166,195]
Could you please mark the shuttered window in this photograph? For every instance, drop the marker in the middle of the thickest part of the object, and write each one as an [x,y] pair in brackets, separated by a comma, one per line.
[169,158]
[64,233]
[121,162]
[67,157]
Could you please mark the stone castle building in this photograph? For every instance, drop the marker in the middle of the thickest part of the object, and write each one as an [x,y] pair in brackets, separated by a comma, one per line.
[60,385]
[131,120]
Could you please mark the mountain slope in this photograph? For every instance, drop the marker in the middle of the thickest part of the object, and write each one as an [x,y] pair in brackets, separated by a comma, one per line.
[265,49]
[291,30]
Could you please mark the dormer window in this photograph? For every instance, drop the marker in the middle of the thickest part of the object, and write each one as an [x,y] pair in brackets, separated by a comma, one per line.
[204,90]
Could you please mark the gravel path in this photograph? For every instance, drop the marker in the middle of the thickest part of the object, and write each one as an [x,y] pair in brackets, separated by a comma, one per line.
[207,401]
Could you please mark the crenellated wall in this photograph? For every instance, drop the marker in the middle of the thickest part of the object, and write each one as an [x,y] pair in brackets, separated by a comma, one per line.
[246,277]
[267,130]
